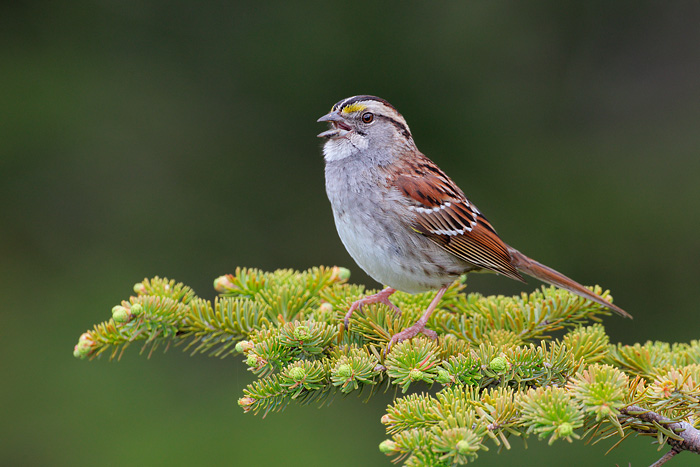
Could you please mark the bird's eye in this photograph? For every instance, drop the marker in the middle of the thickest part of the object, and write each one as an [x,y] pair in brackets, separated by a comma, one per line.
[367,117]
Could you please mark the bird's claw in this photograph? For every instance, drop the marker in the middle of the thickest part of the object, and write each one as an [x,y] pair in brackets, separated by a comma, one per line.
[356,305]
[409,333]
[380,297]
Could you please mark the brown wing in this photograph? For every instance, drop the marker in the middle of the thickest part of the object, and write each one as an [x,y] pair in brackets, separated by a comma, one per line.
[444,215]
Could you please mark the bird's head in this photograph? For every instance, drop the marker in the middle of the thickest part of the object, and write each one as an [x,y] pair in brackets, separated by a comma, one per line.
[363,122]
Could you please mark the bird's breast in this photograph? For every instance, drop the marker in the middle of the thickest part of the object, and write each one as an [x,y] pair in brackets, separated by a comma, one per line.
[379,238]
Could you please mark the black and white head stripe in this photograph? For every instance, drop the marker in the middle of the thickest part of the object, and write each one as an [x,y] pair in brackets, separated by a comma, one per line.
[355,99]
[364,102]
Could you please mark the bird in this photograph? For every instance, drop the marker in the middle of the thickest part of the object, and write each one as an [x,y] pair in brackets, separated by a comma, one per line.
[404,221]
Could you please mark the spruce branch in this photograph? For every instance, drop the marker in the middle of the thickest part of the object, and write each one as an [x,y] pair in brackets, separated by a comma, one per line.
[495,371]
[680,435]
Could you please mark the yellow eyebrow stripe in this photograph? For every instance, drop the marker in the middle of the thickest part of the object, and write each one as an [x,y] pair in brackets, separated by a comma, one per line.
[353,108]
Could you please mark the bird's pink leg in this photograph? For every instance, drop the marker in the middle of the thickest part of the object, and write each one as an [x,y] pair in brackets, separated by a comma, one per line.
[419,326]
[379,297]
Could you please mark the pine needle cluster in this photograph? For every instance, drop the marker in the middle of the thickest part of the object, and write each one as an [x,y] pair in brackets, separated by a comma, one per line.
[496,370]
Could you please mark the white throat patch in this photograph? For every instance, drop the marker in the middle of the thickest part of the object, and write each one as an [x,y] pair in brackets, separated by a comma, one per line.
[340,148]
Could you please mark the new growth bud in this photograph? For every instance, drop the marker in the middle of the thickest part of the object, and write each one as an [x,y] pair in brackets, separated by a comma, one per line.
[251,361]
[565,429]
[344,371]
[297,373]
[499,364]
[340,274]
[120,314]
[463,447]
[223,284]
[244,346]
[136,309]
[387,446]
[302,333]
[84,346]
[246,403]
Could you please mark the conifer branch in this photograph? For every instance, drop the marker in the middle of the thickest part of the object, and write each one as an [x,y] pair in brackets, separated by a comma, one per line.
[683,436]
[500,373]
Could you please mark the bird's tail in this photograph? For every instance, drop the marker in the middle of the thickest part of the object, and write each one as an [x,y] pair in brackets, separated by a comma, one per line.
[546,274]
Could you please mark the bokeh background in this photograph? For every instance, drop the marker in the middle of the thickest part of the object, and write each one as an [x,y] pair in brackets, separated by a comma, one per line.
[142,138]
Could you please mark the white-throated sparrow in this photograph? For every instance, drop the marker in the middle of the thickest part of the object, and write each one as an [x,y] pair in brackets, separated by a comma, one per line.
[403,221]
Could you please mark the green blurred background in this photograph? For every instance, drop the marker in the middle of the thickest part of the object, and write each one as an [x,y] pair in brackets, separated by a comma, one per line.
[178,139]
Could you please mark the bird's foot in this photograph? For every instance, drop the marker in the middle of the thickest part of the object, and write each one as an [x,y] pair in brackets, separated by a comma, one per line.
[379,297]
[419,326]
[411,332]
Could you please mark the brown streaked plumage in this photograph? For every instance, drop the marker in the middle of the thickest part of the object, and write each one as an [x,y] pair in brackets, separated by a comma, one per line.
[443,214]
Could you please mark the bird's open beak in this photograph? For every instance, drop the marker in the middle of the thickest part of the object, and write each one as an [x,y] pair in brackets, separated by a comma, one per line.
[339,127]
